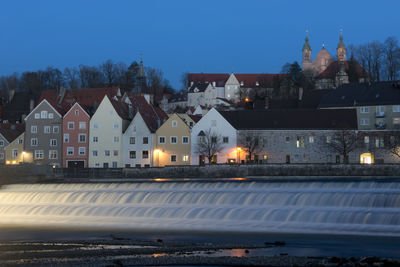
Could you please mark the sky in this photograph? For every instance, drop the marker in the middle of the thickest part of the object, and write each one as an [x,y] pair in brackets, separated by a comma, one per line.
[178,36]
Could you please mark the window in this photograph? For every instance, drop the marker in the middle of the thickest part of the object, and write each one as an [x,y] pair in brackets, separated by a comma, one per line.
[185,139]
[1,155]
[51,116]
[70,151]
[116,139]
[82,125]
[364,121]
[34,141]
[115,125]
[173,158]
[300,141]
[33,129]
[366,139]
[47,129]
[287,139]
[43,114]
[145,154]
[15,153]
[115,164]
[132,140]
[97,164]
[396,120]
[37,116]
[185,158]
[225,139]
[132,154]
[71,125]
[311,139]
[66,138]
[53,142]
[38,154]
[82,138]
[95,125]
[107,153]
[56,129]
[213,123]
[94,153]
[364,110]
[396,108]
[392,140]
[329,158]
[115,153]
[173,140]
[95,139]
[380,109]
[174,123]
[77,112]
[161,139]
[213,139]
[1,143]
[379,142]
[145,140]
[265,141]
[82,151]
[53,154]
[328,139]
[20,141]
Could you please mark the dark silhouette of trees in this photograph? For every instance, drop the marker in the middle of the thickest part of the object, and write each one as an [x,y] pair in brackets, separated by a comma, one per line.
[209,144]
[344,142]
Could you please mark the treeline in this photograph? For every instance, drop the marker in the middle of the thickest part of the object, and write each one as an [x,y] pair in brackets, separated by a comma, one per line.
[109,73]
[380,60]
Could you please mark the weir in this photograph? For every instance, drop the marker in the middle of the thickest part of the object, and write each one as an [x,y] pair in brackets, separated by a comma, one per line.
[358,207]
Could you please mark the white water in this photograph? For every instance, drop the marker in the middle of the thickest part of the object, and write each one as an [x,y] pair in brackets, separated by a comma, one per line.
[366,208]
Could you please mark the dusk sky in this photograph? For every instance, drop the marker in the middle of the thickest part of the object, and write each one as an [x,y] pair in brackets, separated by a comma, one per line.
[184,36]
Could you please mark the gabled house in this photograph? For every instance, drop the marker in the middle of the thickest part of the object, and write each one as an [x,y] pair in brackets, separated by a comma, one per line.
[139,138]
[43,131]
[173,143]
[11,134]
[107,126]
[15,153]
[76,137]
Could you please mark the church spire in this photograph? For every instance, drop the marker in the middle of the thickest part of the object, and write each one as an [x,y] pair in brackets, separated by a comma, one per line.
[341,48]
[306,53]
[140,84]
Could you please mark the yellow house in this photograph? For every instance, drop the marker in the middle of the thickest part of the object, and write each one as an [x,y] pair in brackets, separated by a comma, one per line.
[15,153]
[172,143]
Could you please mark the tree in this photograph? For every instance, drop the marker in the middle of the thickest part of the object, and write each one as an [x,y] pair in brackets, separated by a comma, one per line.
[185,81]
[392,58]
[250,143]
[71,77]
[209,144]
[344,142]
[394,144]
[109,72]
[90,77]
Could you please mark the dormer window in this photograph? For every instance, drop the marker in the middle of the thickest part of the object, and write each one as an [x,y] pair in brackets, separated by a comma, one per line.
[214,84]
[241,83]
[257,84]
[196,90]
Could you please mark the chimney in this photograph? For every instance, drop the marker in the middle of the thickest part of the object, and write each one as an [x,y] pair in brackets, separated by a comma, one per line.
[214,83]
[130,112]
[300,93]
[31,104]
[11,94]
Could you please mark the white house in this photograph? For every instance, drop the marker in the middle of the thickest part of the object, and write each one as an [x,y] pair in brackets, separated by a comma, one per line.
[218,125]
[106,128]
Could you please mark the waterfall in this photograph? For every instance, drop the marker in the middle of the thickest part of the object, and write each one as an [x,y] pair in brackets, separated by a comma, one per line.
[358,207]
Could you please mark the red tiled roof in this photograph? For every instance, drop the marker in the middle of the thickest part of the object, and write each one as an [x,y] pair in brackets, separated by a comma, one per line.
[152,116]
[263,80]
[121,108]
[333,68]
[10,131]
[195,118]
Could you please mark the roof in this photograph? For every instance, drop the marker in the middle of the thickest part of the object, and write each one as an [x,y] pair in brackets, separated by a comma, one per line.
[258,80]
[201,86]
[178,97]
[312,98]
[121,108]
[152,116]
[10,131]
[333,68]
[195,118]
[219,78]
[292,119]
[18,106]
[363,94]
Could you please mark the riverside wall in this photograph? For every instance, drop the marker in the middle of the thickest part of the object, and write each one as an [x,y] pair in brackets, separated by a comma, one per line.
[42,174]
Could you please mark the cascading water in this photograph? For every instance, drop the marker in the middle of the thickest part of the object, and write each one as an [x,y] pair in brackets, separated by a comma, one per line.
[366,208]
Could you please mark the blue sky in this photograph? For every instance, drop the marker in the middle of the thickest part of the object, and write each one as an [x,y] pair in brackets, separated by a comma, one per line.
[183,36]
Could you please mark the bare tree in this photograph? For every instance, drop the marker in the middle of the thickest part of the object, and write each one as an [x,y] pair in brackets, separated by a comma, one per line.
[90,77]
[250,142]
[392,58]
[394,144]
[71,77]
[344,142]
[109,71]
[209,144]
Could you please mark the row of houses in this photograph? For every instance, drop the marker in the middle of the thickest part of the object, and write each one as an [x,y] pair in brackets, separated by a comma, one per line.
[101,128]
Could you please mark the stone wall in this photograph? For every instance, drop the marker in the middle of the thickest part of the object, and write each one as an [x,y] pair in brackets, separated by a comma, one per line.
[37,174]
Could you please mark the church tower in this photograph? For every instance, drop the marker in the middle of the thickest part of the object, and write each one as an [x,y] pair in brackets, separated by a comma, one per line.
[306,54]
[141,85]
[341,49]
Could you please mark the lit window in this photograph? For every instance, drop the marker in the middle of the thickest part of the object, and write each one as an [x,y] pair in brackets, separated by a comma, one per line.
[173,139]
[185,158]
[185,139]
[396,120]
[300,141]
[311,139]
[71,125]
[366,139]
[161,139]
[82,151]
[173,158]
[66,138]
[53,154]
[145,154]
[115,153]
[70,151]
[82,125]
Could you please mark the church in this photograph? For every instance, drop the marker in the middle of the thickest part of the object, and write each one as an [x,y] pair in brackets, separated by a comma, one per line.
[330,73]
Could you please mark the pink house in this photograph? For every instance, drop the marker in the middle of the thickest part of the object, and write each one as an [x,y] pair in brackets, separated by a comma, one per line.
[76,138]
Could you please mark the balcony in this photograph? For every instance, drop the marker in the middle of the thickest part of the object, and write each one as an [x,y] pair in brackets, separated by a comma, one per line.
[380,126]
[380,114]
